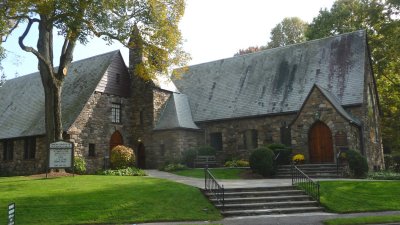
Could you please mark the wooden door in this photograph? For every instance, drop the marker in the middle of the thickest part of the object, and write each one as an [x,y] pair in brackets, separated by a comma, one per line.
[320,144]
[116,139]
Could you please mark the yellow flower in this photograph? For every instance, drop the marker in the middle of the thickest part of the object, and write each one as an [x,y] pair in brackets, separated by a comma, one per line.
[298,158]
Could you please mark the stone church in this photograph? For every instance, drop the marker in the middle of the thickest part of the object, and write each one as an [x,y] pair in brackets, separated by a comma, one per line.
[318,97]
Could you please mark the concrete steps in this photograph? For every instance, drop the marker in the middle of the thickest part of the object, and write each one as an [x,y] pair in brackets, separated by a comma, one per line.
[265,201]
[312,170]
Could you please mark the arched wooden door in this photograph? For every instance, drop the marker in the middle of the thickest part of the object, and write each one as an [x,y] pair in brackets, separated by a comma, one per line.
[141,156]
[116,139]
[320,143]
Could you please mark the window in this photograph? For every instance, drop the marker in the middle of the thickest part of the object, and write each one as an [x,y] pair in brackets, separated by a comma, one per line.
[250,138]
[286,137]
[92,150]
[116,113]
[8,150]
[162,149]
[216,141]
[29,148]
[141,117]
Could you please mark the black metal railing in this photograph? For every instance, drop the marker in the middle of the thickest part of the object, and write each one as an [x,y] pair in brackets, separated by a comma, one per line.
[338,162]
[301,180]
[216,189]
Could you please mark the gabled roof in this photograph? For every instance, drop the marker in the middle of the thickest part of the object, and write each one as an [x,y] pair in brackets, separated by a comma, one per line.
[276,80]
[22,99]
[177,114]
[335,102]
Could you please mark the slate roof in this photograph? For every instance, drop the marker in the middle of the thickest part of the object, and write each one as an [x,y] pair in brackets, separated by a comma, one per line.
[176,114]
[276,80]
[22,98]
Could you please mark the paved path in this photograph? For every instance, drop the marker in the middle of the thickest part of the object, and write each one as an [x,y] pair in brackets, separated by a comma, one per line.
[289,219]
[282,219]
[197,182]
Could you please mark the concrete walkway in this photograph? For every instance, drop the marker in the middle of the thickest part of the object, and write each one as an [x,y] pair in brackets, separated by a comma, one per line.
[289,219]
[198,182]
[282,219]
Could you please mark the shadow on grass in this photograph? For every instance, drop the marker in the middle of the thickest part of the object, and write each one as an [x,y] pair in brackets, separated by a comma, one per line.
[105,199]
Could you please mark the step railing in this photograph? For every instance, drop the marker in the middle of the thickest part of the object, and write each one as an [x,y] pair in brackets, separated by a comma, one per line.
[217,190]
[304,182]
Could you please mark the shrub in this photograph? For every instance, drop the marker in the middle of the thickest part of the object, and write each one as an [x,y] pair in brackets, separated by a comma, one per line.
[122,157]
[174,167]
[396,162]
[206,150]
[389,163]
[384,175]
[284,152]
[262,161]
[237,163]
[298,159]
[130,171]
[188,157]
[79,165]
[358,164]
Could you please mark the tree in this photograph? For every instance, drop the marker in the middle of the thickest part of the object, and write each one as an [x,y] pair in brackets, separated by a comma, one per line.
[290,31]
[155,21]
[381,21]
[249,50]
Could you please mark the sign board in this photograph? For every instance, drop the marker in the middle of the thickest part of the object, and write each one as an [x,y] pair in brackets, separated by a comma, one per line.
[61,154]
[11,214]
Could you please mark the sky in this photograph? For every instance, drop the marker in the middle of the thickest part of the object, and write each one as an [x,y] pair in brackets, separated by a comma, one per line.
[211,29]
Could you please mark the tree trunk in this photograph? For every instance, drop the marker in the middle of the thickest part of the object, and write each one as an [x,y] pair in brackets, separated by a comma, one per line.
[51,84]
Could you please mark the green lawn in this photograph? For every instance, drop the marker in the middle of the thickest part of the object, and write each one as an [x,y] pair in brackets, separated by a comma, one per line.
[219,173]
[364,220]
[356,196]
[102,200]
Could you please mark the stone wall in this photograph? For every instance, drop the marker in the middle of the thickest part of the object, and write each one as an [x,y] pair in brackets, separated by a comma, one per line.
[371,130]
[318,108]
[21,166]
[167,146]
[94,126]
[268,131]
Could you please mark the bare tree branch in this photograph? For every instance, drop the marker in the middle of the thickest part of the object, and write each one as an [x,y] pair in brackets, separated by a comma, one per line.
[30,49]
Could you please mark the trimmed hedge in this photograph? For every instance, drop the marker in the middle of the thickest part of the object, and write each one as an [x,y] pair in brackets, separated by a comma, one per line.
[262,161]
[358,164]
[122,157]
[285,153]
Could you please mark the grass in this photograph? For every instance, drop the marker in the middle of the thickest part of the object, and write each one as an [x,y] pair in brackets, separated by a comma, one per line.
[364,220]
[219,173]
[356,196]
[102,200]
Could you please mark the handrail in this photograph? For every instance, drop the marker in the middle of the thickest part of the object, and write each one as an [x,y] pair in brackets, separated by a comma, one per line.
[304,182]
[337,161]
[277,156]
[212,185]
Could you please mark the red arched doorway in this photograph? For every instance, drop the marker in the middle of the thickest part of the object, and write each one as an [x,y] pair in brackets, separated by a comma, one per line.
[116,139]
[320,143]
[141,156]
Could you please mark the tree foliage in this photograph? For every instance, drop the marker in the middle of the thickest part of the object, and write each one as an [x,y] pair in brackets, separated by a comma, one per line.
[155,22]
[290,31]
[381,21]
[249,50]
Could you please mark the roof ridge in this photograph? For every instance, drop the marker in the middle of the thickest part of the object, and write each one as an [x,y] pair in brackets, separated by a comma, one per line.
[80,60]
[283,47]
